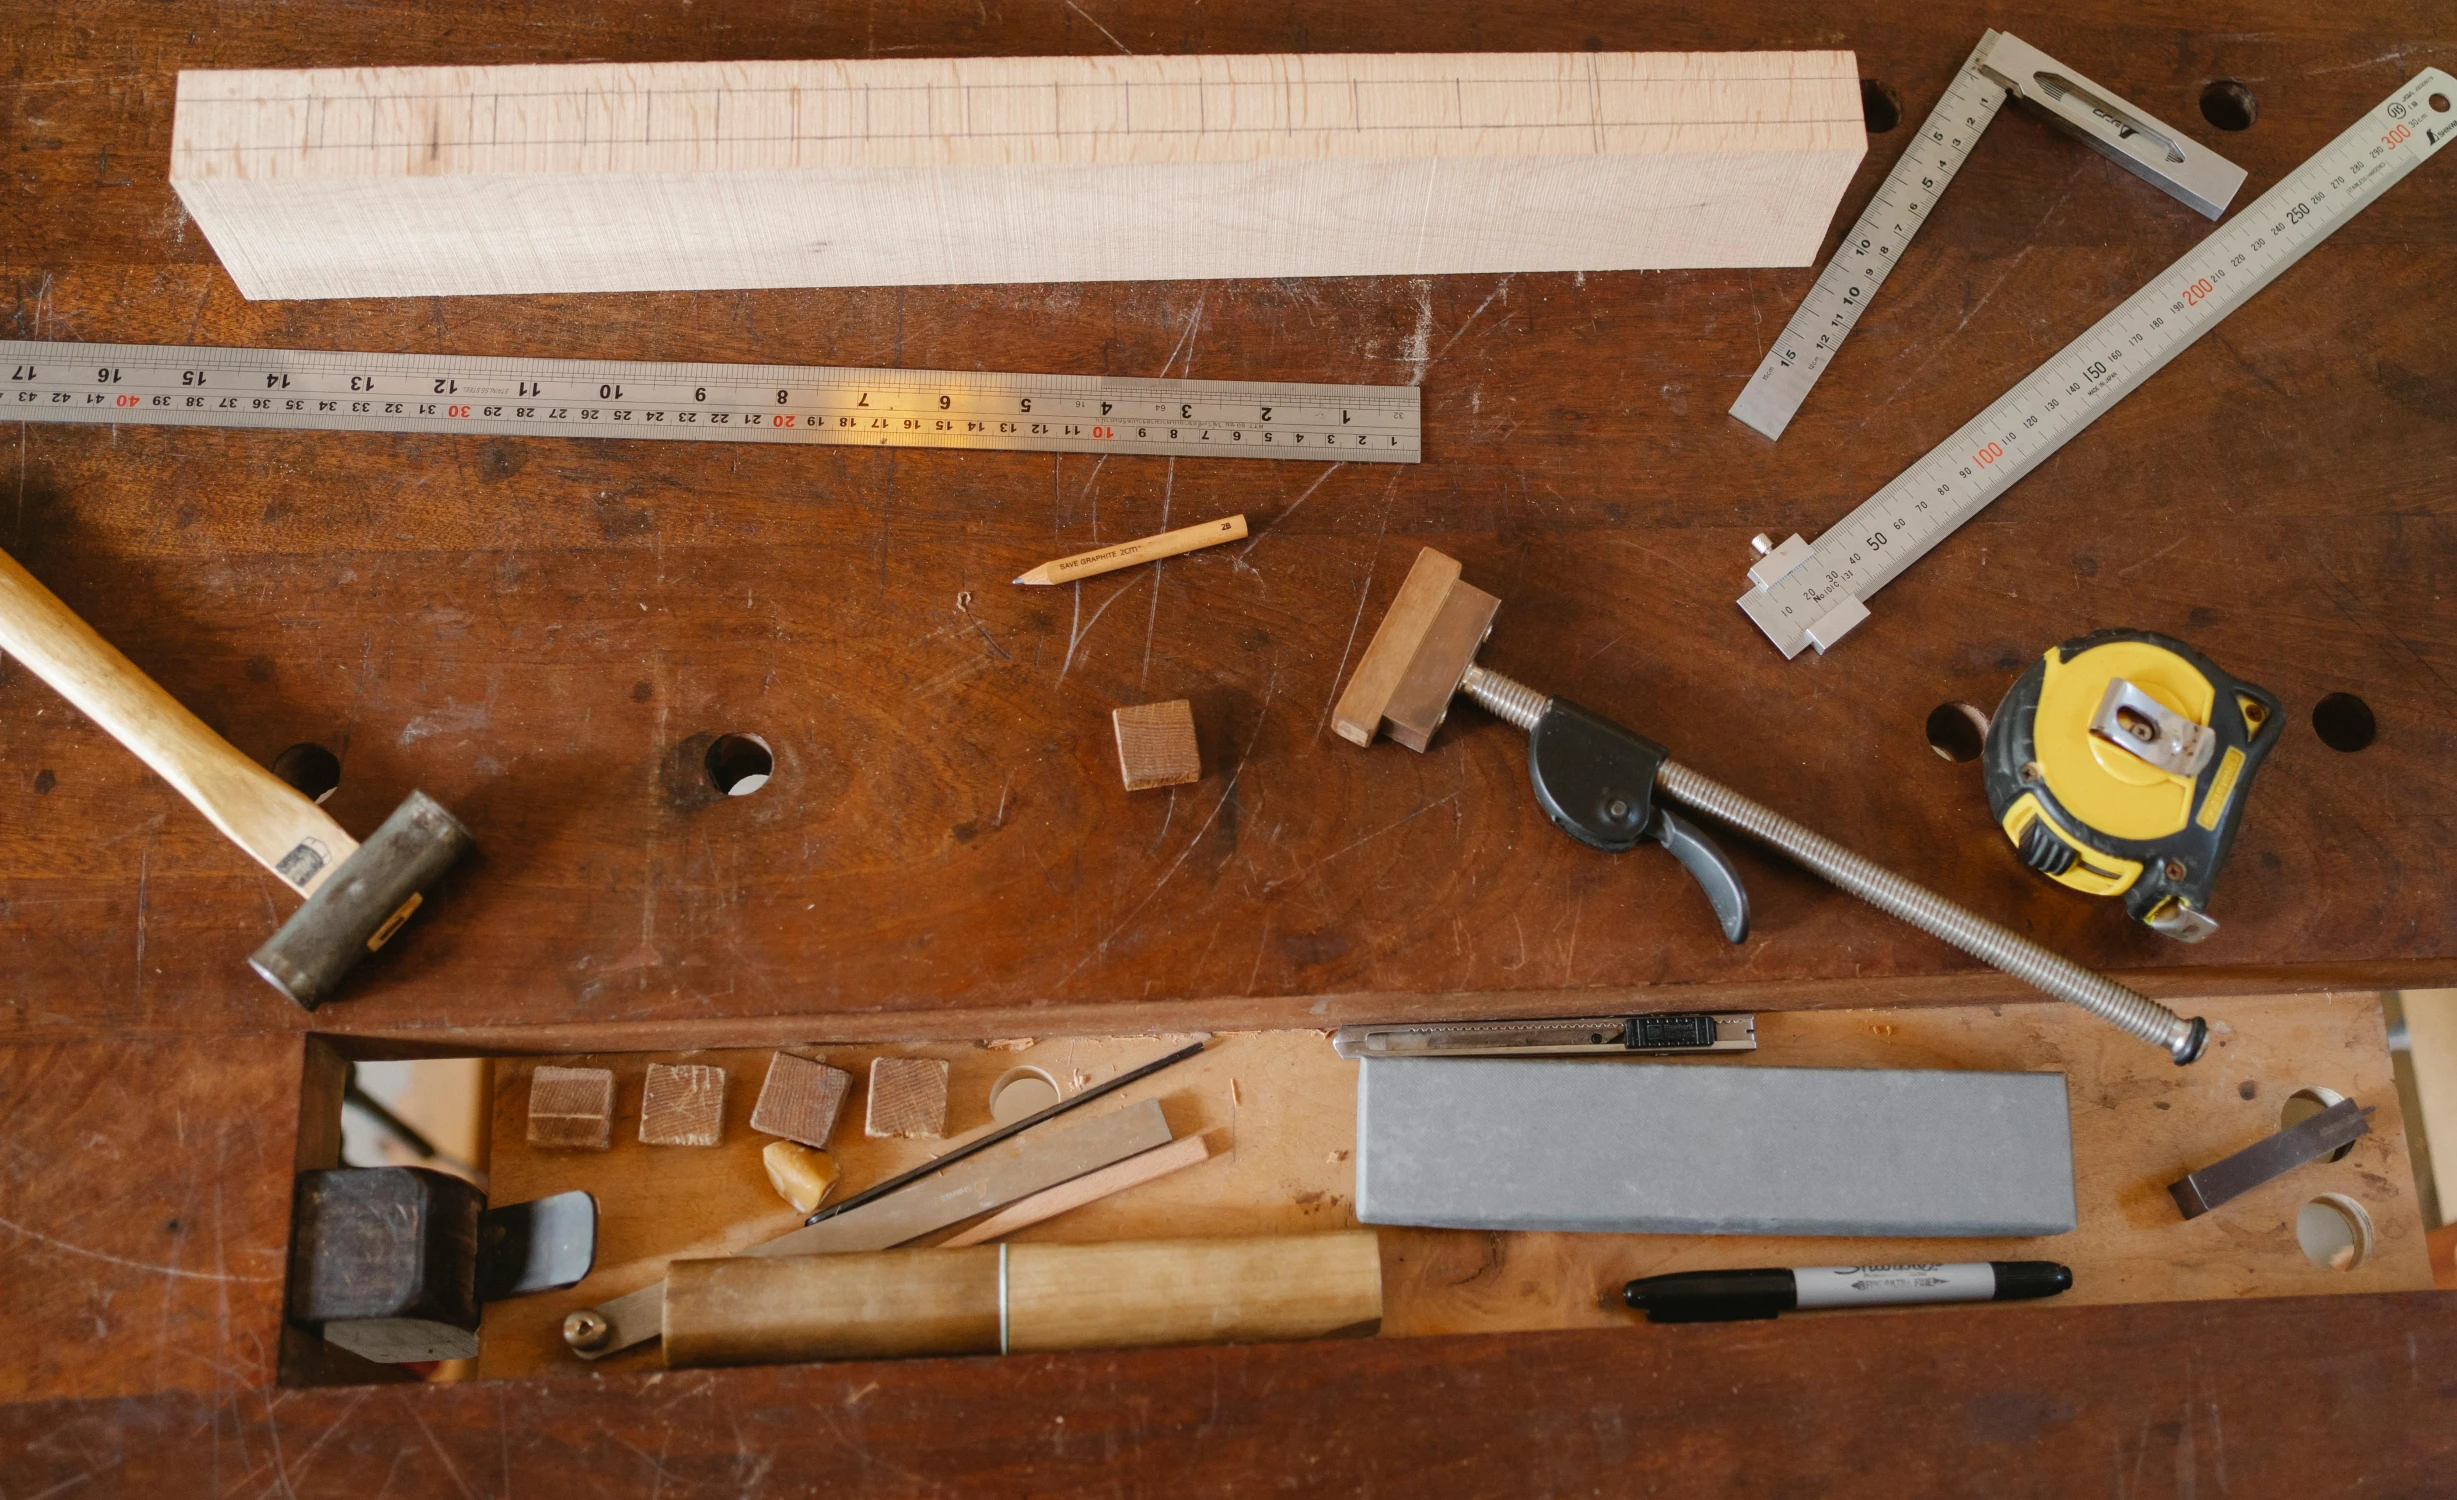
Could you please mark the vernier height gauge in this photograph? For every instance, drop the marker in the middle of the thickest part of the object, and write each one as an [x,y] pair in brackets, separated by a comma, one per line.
[319,390]
[1806,595]
[2155,152]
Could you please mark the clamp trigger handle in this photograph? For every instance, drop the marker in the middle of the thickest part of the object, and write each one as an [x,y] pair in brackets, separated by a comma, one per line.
[1596,781]
[1709,866]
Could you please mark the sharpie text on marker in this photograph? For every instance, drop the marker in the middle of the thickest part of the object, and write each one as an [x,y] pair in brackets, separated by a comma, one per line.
[1738,1296]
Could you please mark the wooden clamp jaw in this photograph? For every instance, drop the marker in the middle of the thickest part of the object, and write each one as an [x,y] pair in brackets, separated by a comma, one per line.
[1593,779]
[1418,656]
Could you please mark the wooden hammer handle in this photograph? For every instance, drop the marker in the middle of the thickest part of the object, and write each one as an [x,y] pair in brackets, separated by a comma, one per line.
[260,812]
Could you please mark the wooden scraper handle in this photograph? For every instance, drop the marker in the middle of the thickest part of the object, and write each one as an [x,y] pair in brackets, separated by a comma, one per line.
[1022,1299]
[257,810]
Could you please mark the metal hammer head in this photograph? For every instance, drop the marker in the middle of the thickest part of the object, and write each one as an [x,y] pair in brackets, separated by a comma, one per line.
[362,903]
[1404,682]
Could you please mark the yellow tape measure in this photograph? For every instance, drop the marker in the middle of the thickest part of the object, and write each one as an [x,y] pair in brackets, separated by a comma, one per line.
[2120,764]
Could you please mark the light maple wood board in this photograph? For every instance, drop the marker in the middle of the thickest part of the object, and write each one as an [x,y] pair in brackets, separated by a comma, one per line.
[1278,1109]
[354,182]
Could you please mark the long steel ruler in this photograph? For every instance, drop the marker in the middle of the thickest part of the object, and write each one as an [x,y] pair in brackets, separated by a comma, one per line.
[327,391]
[2000,65]
[1806,595]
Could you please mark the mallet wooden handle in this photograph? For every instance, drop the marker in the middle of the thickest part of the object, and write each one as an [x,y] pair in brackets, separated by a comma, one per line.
[260,812]
[1038,1298]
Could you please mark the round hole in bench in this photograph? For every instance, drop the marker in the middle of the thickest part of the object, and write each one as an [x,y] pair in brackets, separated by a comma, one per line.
[2303,1104]
[2229,105]
[2344,722]
[1957,731]
[2334,1231]
[739,764]
[1022,1091]
[311,768]
[1880,106]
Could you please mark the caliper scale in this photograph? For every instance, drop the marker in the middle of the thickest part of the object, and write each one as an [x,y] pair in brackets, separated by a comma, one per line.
[1811,594]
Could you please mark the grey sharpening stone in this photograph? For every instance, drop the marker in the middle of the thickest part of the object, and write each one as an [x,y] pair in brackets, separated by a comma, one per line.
[1693,1148]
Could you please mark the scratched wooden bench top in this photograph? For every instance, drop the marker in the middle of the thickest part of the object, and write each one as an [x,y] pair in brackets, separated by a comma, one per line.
[545,634]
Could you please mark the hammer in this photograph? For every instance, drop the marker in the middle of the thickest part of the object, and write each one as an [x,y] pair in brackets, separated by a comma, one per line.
[1597,782]
[357,894]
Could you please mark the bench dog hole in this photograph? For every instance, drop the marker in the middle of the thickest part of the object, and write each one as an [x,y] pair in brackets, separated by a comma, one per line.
[1957,731]
[312,769]
[739,764]
[1880,106]
[2344,722]
[2334,1231]
[2229,105]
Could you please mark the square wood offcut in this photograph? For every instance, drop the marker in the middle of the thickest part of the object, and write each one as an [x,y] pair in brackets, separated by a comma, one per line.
[572,1108]
[908,1096]
[1156,745]
[801,1099]
[682,1105]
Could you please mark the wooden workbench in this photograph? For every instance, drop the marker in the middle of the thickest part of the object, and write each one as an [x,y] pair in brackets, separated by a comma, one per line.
[546,634]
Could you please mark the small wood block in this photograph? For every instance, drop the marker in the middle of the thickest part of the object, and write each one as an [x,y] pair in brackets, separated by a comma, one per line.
[1422,699]
[908,1096]
[1156,745]
[571,1108]
[801,1099]
[1393,649]
[682,1105]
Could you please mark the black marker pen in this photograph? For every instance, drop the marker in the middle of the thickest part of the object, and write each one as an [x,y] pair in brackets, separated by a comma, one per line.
[1735,1296]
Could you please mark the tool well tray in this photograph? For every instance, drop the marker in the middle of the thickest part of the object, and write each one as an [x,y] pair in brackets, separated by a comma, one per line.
[1278,1109]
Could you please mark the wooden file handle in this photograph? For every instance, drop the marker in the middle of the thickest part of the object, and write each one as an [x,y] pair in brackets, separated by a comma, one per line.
[1133,1294]
[260,812]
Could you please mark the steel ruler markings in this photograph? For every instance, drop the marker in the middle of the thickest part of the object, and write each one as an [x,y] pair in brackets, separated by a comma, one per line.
[1867,255]
[323,390]
[2001,65]
[1812,595]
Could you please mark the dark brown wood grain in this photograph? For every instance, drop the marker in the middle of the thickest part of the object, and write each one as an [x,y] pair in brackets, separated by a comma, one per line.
[2008,1402]
[145,1213]
[547,634]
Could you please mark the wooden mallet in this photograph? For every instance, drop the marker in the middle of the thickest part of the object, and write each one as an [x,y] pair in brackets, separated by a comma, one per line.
[357,894]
